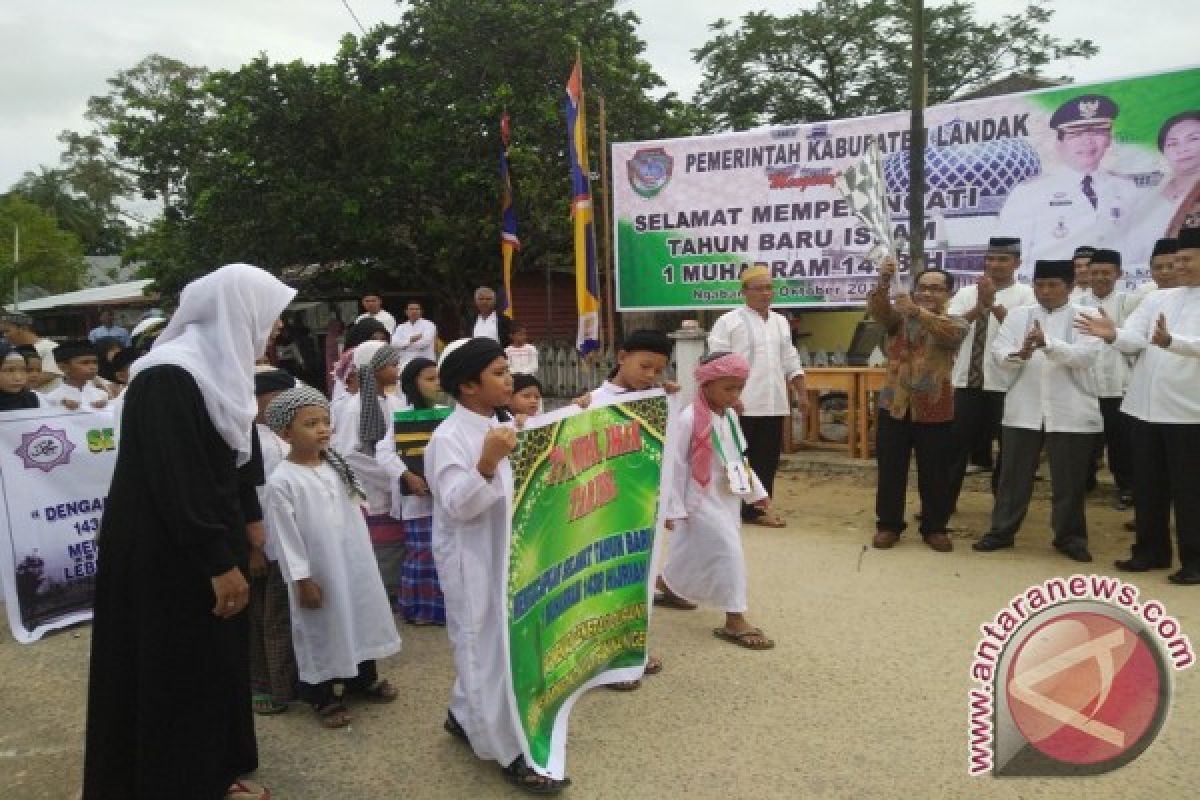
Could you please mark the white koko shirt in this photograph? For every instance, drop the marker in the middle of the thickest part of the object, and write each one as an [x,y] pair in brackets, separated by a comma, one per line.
[1055,389]
[767,345]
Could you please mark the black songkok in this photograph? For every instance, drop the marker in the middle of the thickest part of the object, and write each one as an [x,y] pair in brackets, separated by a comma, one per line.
[1044,270]
[1004,245]
[466,362]
[1165,247]
[1189,239]
[272,380]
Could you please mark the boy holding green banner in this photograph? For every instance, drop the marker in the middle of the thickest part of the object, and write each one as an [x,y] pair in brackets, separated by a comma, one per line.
[471,480]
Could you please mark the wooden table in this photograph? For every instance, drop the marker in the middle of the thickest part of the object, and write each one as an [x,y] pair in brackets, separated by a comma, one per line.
[857,383]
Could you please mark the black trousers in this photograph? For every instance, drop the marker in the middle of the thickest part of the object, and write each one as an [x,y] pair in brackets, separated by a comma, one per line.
[896,440]
[1116,442]
[764,441]
[1070,455]
[1166,461]
[977,416]
[323,693]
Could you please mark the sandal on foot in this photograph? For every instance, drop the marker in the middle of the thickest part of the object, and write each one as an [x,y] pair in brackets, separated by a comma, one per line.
[381,691]
[525,778]
[456,730]
[240,790]
[654,665]
[334,715]
[266,705]
[669,600]
[742,638]
[767,521]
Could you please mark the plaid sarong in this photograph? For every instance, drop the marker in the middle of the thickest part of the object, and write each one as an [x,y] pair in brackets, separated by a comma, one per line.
[420,595]
[272,660]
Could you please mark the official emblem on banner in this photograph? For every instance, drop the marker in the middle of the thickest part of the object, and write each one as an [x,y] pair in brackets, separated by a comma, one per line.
[45,449]
[650,171]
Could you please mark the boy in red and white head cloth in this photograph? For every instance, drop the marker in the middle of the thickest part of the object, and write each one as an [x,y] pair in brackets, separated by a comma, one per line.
[711,479]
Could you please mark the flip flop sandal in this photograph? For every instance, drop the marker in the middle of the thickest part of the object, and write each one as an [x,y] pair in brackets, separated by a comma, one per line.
[381,691]
[664,600]
[742,639]
[265,705]
[767,521]
[524,777]
[334,715]
[240,790]
[452,727]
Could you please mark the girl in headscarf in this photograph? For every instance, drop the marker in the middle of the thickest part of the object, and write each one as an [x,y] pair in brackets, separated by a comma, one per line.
[341,619]
[15,394]
[710,479]
[169,689]
[421,600]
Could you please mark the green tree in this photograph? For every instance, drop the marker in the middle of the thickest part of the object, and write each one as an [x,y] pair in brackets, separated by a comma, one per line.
[385,160]
[155,114]
[98,228]
[849,58]
[49,257]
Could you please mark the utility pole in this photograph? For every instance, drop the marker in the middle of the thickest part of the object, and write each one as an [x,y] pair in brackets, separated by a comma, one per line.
[16,258]
[916,150]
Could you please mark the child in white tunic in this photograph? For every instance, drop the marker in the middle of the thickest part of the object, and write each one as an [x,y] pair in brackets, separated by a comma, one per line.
[642,359]
[341,619]
[703,503]
[469,475]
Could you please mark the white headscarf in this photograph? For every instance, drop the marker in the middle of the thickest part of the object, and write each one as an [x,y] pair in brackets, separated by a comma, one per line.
[222,325]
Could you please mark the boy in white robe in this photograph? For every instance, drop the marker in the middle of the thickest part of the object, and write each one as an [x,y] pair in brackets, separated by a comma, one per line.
[80,365]
[641,361]
[341,619]
[469,475]
[703,503]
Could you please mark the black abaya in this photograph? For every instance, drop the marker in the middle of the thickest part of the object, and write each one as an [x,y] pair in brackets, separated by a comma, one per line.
[169,711]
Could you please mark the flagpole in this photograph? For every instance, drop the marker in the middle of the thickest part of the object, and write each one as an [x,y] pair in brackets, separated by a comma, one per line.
[606,241]
[916,152]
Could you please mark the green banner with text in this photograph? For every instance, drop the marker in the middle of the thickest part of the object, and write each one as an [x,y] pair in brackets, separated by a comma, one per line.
[585,511]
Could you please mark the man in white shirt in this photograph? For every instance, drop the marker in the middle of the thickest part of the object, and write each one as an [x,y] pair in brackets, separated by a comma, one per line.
[488,322]
[1052,402]
[373,307]
[416,337]
[1162,270]
[1083,280]
[1075,200]
[764,339]
[1112,373]
[979,384]
[1164,401]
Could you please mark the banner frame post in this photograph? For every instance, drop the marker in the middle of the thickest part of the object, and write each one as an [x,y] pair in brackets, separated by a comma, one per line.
[916,153]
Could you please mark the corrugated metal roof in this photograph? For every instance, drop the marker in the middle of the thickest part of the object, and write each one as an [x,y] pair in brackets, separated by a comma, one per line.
[130,292]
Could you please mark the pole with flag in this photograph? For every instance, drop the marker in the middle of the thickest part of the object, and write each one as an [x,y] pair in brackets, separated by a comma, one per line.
[509,243]
[587,285]
[862,186]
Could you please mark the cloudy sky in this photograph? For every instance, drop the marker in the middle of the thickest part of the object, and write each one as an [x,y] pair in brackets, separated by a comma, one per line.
[59,52]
